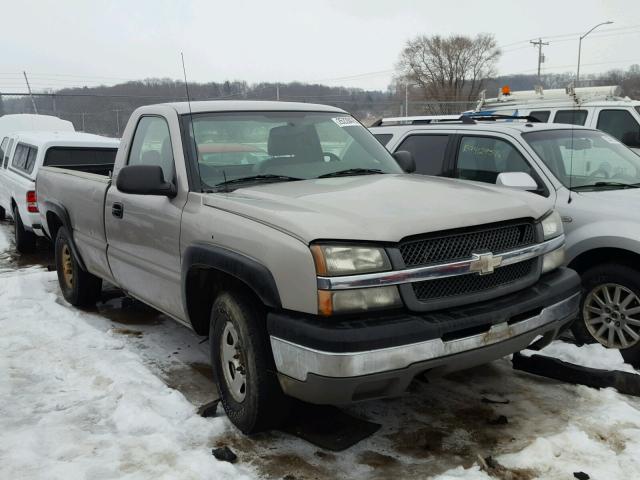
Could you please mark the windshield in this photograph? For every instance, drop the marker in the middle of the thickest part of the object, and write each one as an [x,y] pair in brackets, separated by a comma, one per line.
[237,148]
[586,158]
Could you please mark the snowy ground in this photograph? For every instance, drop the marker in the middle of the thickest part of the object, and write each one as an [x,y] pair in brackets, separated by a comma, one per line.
[113,393]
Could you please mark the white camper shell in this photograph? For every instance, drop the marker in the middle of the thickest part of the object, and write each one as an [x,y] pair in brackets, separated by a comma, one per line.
[23,153]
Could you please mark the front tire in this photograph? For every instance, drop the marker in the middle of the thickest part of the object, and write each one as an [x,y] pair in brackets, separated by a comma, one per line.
[25,240]
[610,310]
[243,364]
[79,287]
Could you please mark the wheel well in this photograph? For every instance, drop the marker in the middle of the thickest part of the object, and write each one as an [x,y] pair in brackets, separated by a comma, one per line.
[604,255]
[54,223]
[203,284]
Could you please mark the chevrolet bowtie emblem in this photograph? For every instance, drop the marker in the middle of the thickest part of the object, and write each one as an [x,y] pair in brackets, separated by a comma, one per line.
[484,263]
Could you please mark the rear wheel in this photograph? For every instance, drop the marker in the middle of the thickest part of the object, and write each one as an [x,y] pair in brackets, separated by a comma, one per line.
[243,364]
[610,313]
[25,240]
[79,287]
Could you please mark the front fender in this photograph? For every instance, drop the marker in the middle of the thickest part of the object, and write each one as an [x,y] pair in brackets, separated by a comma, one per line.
[621,234]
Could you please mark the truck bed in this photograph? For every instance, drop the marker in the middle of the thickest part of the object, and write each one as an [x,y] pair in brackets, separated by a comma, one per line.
[82,196]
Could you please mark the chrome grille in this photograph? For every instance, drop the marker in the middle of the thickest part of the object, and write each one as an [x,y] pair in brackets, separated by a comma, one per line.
[460,246]
[473,283]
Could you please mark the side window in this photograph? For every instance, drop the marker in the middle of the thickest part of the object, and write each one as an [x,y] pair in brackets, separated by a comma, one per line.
[20,157]
[428,152]
[383,138]
[572,117]
[620,124]
[541,115]
[483,158]
[3,146]
[7,153]
[31,160]
[152,146]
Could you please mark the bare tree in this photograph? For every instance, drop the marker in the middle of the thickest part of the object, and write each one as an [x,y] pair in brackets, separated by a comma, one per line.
[451,69]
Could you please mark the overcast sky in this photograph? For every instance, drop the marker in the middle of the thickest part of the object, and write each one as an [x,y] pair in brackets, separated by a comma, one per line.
[338,42]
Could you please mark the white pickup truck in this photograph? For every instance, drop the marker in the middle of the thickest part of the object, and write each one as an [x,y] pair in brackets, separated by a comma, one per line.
[316,266]
[24,153]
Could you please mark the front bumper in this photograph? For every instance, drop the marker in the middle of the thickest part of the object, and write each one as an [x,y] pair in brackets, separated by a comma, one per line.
[336,362]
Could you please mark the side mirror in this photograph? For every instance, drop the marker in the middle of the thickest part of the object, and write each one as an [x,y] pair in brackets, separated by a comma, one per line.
[517,181]
[144,180]
[405,160]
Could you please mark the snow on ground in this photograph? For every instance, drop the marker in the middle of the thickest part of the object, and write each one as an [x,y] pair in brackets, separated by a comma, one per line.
[74,403]
[85,395]
[593,356]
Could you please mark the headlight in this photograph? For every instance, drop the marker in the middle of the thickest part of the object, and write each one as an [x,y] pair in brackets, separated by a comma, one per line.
[553,260]
[334,260]
[360,300]
[552,225]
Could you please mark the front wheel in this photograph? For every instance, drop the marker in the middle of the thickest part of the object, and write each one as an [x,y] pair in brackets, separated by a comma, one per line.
[25,240]
[79,287]
[610,313]
[243,364]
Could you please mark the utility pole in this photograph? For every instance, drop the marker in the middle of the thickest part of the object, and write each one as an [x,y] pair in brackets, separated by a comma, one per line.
[406,99]
[82,120]
[33,102]
[539,44]
[277,92]
[117,110]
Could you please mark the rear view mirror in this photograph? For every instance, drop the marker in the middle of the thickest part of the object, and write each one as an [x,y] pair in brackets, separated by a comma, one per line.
[517,181]
[405,160]
[144,180]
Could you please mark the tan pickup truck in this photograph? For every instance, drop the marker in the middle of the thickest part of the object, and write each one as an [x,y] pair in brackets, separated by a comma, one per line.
[316,265]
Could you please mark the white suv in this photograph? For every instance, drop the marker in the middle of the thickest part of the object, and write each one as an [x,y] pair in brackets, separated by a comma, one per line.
[22,156]
[593,180]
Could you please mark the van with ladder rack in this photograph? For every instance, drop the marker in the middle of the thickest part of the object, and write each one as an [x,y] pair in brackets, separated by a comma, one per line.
[603,108]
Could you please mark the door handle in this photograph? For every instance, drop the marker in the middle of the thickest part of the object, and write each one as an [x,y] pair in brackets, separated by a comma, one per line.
[117,210]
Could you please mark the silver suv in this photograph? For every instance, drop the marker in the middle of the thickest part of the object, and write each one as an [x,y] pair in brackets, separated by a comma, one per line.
[590,176]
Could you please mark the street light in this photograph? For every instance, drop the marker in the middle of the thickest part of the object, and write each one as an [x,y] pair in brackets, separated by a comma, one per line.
[580,48]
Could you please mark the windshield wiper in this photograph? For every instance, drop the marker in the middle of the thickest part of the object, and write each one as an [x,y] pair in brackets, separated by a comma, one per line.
[606,184]
[352,171]
[258,178]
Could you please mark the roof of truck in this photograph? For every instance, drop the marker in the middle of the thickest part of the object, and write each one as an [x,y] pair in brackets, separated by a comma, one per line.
[506,127]
[68,139]
[250,106]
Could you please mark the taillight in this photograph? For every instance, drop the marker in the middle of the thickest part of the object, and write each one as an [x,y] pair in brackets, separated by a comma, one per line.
[32,202]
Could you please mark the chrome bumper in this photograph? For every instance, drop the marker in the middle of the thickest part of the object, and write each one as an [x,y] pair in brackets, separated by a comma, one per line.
[297,361]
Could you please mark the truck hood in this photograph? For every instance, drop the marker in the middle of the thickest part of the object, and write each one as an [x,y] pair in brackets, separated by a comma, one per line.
[621,203]
[383,208]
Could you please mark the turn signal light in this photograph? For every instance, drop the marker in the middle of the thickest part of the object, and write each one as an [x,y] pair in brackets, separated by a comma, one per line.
[32,202]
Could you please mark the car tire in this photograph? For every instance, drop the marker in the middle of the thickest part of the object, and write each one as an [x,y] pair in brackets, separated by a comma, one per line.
[79,287]
[25,240]
[601,312]
[243,365]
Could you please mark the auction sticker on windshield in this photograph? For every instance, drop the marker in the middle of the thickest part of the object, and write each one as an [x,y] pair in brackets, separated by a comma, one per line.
[345,121]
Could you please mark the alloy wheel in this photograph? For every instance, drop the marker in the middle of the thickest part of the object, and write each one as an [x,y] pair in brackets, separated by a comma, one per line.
[233,364]
[611,313]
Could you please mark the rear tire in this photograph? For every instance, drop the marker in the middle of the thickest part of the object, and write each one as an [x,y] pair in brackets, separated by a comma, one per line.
[25,240]
[609,304]
[243,364]
[79,287]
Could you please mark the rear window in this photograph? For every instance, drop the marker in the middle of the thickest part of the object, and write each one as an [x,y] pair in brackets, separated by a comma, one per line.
[74,157]
[572,117]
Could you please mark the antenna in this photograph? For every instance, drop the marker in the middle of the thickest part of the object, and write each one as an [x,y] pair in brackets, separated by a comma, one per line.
[573,128]
[193,132]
